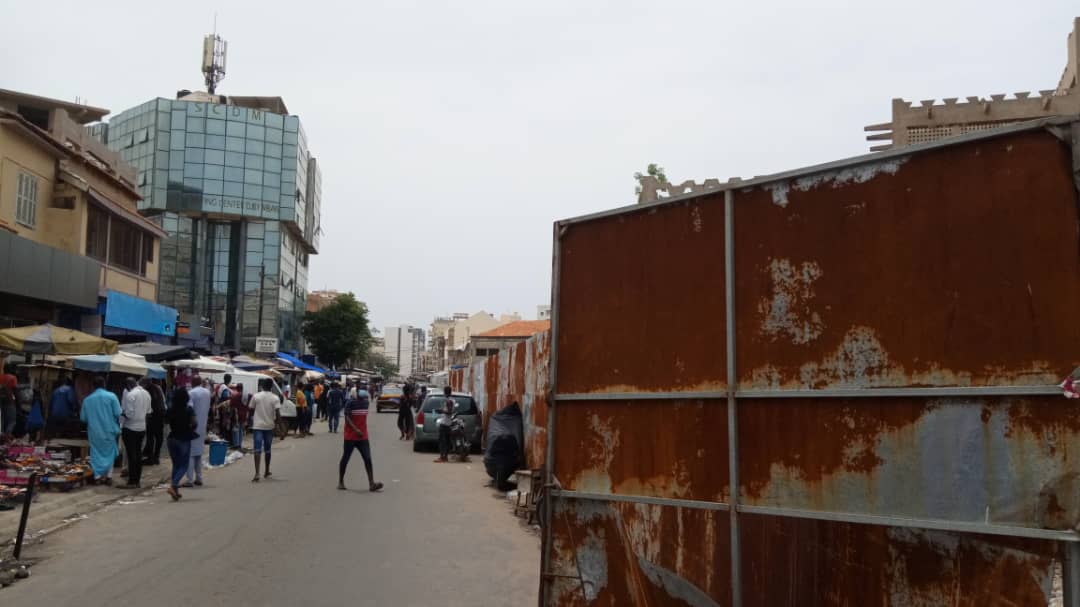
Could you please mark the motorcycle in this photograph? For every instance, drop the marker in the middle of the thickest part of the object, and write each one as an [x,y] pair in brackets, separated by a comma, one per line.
[459,442]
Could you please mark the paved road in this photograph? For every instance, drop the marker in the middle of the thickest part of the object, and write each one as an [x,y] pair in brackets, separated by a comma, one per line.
[435,536]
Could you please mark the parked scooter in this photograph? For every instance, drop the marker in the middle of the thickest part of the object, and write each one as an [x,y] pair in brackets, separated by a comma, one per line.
[459,442]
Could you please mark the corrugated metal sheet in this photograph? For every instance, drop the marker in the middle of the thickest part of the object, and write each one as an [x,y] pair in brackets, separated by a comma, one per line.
[952,266]
[518,374]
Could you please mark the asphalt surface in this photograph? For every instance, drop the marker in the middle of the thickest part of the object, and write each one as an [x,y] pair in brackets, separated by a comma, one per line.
[434,536]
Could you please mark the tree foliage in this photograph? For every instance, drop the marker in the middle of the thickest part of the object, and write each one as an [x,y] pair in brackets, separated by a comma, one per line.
[653,170]
[378,361]
[339,331]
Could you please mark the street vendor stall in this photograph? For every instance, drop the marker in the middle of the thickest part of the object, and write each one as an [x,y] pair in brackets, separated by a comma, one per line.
[50,339]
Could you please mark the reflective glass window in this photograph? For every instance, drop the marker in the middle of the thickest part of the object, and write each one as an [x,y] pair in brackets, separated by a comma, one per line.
[235,129]
[216,142]
[176,160]
[213,186]
[234,189]
[254,147]
[234,144]
[196,124]
[274,135]
[215,127]
[273,149]
[272,164]
[256,131]
[253,162]
[215,157]
[252,176]
[176,176]
[193,170]
[194,155]
[195,140]
[234,174]
[234,159]
[213,171]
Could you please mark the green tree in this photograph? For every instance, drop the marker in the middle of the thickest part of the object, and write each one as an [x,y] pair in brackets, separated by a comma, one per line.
[339,331]
[377,361]
[653,170]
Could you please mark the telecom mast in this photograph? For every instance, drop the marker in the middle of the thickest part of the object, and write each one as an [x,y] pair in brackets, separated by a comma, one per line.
[213,60]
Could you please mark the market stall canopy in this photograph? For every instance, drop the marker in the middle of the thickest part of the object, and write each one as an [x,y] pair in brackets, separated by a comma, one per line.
[49,339]
[115,363]
[202,363]
[313,375]
[246,363]
[156,353]
[296,362]
[154,370]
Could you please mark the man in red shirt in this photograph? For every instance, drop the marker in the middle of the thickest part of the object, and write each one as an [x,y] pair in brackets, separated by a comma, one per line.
[356,437]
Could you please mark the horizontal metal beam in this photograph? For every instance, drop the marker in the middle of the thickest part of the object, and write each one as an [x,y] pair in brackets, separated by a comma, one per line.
[914,523]
[832,516]
[946,391]
[642,499]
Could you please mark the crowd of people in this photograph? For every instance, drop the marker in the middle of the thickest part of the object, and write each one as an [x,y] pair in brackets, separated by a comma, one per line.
[132,420]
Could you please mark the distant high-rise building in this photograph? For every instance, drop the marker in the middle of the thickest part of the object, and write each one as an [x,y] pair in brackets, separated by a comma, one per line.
[231,181]
[404,345]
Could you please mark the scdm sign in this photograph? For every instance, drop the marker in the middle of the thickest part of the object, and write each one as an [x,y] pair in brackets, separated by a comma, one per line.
[264,345]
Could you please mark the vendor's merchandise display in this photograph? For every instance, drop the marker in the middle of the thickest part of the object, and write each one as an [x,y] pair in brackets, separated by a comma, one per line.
[55,469]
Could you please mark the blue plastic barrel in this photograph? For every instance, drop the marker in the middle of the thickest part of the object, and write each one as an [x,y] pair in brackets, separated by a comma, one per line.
[218,449]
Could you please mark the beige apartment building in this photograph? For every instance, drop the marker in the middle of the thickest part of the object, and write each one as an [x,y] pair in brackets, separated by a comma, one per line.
[929,120]
[78,252]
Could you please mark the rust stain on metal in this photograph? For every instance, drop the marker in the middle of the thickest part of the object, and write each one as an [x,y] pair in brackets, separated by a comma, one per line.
[652,279]
[677,450]
[625,554]
[847,565]
[900,292]
[957,459]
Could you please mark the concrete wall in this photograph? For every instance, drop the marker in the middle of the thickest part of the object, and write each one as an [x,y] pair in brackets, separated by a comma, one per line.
[20,154]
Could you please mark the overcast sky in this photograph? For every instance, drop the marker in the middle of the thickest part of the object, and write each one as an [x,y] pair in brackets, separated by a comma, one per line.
[452,134]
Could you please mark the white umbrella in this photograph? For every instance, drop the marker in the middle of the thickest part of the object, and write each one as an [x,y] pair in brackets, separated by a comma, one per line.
[201,364]
[110,363]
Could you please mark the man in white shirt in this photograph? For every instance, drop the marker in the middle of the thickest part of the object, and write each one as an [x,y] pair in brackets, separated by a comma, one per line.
[265,406]
[133,412]
[199,399]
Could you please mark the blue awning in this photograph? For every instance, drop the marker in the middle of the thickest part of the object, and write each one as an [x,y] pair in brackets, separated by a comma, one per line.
[123,311]
[299,364]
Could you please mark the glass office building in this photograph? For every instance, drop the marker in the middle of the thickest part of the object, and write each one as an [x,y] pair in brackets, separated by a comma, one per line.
[232,182]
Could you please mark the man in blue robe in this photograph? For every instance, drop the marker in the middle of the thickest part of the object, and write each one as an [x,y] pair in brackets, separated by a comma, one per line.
[101,414]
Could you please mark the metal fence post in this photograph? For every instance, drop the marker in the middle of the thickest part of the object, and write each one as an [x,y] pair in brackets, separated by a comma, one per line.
[732,412]
[25,515]
[1071,574]
[549,457]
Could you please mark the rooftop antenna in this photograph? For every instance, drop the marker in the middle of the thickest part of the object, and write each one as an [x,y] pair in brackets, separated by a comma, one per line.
[213,59]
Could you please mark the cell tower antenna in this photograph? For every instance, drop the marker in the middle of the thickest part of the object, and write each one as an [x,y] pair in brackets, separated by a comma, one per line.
[213,59]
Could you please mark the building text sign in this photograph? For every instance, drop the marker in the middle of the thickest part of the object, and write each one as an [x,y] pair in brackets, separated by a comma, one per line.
[266,345]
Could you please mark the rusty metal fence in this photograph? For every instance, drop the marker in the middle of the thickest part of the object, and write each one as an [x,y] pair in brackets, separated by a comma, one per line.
[517,374]
[835,386]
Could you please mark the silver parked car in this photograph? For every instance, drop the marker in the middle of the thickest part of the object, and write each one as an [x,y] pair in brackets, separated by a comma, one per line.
[427,430]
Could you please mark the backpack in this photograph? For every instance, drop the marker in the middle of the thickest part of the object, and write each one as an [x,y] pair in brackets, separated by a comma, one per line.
[224,395]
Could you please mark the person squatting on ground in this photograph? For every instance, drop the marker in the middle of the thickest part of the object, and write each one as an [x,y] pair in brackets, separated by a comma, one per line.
[356,437]
[265,407]
[182,424]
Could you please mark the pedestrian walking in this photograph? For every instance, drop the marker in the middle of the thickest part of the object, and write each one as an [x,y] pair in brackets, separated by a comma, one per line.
[239,404]
[133,413]
[301,410]
[182,423]
[199,398]
[155,424]
[405,406]
[101,414]
[265,407]
[309,413]
[335,401]
[356,437]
